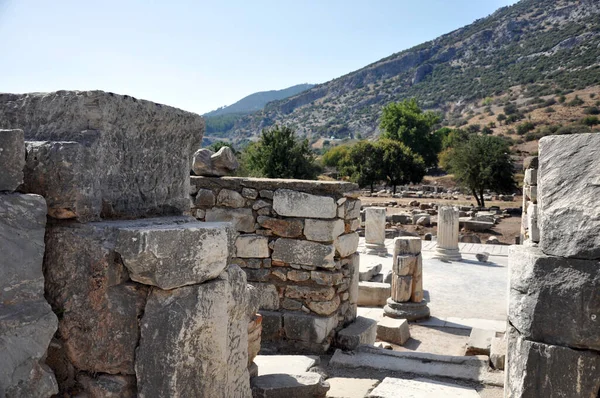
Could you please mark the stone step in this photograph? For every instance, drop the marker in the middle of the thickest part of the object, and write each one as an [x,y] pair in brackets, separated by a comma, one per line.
[373,294]
[480,342]
[361,331]
[471,368]
[350,387]
[420,388]
[291,364]
[393,330]
[282,385]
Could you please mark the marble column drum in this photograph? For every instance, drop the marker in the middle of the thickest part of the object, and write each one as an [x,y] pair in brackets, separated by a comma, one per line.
[447,238]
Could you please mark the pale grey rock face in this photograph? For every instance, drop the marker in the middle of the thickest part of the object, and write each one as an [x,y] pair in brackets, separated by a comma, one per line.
[568,192]
[546,288]
[252,246]
[303,252]
[27,322]
[194,340]
[299,204]
[173,255]
[205,197]
[230,198]
[26,329]
[323,230]
[241,219]
[309,328]
[12,159]
[346,244]
[540,370]
[132,182]
[22,228]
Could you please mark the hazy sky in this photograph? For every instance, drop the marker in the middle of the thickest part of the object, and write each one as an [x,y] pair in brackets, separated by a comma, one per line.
[199,55]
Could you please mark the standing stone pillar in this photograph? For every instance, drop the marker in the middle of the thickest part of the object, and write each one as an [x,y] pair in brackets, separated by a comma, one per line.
[447,238]
[375,231]
[406,300]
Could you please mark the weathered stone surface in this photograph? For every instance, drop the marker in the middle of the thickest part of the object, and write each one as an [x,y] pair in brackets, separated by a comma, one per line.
[569,189]
[480,342]
[303,252]
[373,294]
[26,329]
[326,278]
[172,255]
[352,209]
[546,288]
[420,388]
[75,255]
[325,307]
[12,159]
[401,288]
[530,162]
[66,175]
[230,198]
[205,197]
[252,246]
[369,272]
[289,364]
[540,370]
[108,386]
[242,219]
[531,176]
[286,228]
[266,295]
[298,276]
[22,223]
[311,293]
[291,203]
[393,330]
[346,244]
[272,324]
[280,385]
[207,163]
[354,271]
[407,245]
[498,352]
[375,225]
[132,182]
[254,338]
[309,328]
[416,295]
[405,264]
[194,340]
[323,230]
[361,331]
[406,310]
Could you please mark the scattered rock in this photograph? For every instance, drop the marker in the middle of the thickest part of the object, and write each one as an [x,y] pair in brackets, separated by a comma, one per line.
[207,163]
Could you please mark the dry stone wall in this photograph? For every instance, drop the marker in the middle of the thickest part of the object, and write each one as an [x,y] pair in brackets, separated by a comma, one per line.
[530,231]
[146,307]
[297,243]
[554,301]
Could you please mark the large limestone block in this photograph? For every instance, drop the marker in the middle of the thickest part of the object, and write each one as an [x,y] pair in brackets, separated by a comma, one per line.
[308,328]
[420,388]
[12,159]
[373,294]
[346,244]
[540,370]
[393,330]
[265,295]
[569,188]
[66,174]
[280,385]
[295,251]
[26,329]
[554,300]
[361,331]
[287,228]
[173,255]
[22,228]
[194,340]
[241,219]
[140,151]
[207,163]
[323,230]
[252,246]
[290,203]
[375,225]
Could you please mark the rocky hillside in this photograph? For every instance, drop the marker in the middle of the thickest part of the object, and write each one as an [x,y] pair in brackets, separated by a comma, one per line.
[545,47]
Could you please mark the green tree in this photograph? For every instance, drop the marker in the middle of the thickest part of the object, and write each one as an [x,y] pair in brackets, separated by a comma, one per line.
[363,164]
[483,162]
[399,165]
[406,122]
[336,156]
[279,154]
[215,146]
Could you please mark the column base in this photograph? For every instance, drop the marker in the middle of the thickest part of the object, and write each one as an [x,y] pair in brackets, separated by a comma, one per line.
[447,254]
[408,310]
[376,249]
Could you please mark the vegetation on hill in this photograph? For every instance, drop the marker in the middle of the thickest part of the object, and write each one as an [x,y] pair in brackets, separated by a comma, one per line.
[537,48]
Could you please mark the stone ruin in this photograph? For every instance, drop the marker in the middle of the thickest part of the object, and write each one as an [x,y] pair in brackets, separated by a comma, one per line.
[297,243]
[554,299]
[142,299]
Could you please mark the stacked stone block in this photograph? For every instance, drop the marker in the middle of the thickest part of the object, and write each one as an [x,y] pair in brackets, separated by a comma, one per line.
[297,243]
[406,299]
[147,307]
[529,222]
[27,322]
[554,301]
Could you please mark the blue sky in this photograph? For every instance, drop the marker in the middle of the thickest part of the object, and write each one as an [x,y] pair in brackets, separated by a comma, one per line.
[199,55]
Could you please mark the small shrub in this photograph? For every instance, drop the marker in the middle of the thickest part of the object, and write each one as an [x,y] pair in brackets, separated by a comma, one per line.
[591,110]
[549,110]
[590,121]
[575,102]
[524,128]
[562,99]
